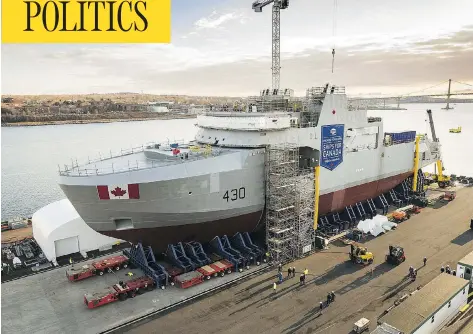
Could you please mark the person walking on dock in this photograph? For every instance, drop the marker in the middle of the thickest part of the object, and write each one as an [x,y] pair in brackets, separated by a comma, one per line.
[425,261]
[332,296]
[329,299]
[293,271]
[289,272]
[279,267]
[442,269]
[321,306]
[280,277]
[301,279]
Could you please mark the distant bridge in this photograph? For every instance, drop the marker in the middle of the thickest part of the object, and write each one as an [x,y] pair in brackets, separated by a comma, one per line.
[399,99]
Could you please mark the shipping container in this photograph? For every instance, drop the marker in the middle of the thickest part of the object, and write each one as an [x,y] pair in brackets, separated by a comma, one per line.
[402,137]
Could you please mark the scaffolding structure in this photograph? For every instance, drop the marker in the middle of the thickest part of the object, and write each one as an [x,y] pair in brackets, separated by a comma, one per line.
[289,204]
[305,191]
[275,101]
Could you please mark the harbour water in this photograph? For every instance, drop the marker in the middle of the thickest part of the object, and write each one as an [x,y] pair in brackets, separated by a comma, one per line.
[31,155]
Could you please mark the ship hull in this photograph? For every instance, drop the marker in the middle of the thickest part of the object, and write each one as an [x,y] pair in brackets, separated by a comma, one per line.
[160,237]
[338,200]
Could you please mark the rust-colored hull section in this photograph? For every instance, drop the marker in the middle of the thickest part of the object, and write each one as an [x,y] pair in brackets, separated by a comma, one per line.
[160,237]
[338,200]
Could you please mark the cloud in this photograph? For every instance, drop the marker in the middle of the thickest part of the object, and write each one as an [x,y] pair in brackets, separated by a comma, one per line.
[215,20]
[228,52]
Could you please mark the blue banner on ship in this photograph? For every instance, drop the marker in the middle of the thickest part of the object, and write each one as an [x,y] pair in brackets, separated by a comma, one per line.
[332,146]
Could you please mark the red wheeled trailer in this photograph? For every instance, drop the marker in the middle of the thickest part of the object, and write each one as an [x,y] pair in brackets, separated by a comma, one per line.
[188,279]
[80,272]
[119,291]
[217,268]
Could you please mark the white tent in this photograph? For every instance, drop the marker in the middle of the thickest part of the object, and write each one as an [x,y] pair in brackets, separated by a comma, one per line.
[59,230]
[379,224]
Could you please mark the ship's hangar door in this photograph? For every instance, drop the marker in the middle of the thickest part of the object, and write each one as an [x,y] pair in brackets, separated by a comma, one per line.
[66,246]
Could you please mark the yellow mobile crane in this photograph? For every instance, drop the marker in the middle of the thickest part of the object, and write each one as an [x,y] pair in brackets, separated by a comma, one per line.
[441,179]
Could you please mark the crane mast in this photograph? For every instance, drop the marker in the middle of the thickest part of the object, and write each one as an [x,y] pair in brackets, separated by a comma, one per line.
[276,36]
[441,179]
[276,46]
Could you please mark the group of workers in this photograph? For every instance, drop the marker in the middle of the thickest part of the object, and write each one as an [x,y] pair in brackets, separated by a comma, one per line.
[291,272]
[330,299]
[412,273]
[448,270]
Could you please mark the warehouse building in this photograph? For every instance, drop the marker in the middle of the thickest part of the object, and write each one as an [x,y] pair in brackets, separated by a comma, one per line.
[429,309]
[59,231]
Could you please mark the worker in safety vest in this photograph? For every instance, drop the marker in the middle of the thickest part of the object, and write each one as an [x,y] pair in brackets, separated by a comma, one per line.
[306,271]
[70,260]
[274,286]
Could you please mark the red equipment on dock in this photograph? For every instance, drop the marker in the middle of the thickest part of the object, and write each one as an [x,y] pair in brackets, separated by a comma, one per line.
[216,268]
[77,273]
[189,279]
[196,277]
[120,291]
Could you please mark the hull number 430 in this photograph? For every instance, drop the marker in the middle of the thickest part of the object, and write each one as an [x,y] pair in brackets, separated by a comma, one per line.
[234,194]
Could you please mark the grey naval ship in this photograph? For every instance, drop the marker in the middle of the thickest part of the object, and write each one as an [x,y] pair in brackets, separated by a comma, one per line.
[163,193]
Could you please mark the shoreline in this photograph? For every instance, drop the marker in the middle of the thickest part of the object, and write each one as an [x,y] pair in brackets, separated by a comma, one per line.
[101,120]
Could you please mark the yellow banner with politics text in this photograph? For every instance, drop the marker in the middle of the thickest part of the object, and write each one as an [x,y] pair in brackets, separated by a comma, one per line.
[85,21]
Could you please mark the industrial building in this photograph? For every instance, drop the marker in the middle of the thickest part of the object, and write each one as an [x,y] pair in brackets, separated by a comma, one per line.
[429,309]
[59,231]
[465,267]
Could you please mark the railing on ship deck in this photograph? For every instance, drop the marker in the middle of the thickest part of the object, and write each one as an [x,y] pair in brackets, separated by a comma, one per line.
[76,169]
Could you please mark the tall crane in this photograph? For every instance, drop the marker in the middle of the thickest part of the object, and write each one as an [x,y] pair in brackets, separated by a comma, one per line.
[441,179]
[276,44]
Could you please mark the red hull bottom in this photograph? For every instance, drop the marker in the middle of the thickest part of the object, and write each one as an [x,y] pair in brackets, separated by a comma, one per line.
[160,237]
[340,199]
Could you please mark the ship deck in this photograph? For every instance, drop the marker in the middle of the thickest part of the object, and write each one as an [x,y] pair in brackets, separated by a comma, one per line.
[137,160]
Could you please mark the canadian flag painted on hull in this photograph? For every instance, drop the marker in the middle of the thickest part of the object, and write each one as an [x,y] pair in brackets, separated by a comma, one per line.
[130,191]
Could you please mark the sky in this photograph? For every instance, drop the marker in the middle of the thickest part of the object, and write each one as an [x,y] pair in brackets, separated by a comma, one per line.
[223,48]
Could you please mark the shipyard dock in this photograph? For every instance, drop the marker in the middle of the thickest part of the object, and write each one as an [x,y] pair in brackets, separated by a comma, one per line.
[49,303]
[442,235]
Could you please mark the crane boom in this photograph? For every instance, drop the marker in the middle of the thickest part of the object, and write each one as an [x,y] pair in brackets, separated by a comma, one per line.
[258,5]
[432,127]
[276,35]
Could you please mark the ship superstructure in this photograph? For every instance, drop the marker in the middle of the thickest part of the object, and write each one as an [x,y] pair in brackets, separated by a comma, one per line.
[166,193]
